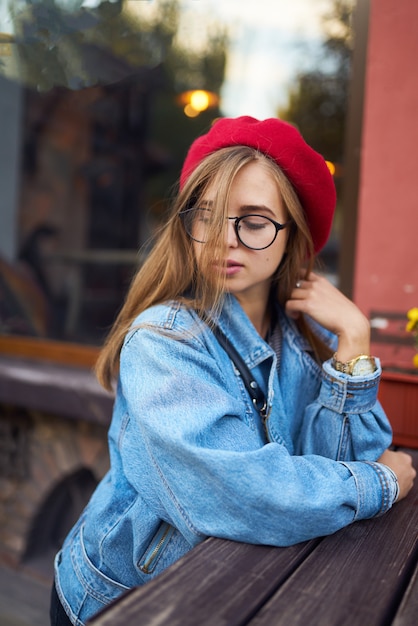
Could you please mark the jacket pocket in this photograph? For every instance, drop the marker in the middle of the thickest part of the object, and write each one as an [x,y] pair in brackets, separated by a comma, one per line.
[150,559]
[97,584]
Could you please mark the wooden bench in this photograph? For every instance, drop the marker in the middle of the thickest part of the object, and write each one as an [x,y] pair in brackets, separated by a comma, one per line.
[364,575]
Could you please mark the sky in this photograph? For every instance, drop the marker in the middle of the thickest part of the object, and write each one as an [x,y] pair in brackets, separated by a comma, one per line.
[270,41]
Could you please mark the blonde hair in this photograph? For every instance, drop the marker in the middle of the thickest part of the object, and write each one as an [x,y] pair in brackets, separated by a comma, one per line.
[170,271]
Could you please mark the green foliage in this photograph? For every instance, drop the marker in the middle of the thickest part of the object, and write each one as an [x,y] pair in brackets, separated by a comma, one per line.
[82,48]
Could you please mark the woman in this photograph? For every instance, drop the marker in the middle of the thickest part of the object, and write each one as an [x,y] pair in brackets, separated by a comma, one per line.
[191,454]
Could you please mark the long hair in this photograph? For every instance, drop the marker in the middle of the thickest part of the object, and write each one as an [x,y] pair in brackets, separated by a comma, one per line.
[170,271]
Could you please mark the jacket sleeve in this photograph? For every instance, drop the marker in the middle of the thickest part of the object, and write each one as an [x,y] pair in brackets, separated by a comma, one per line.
[187,449]
[346,422]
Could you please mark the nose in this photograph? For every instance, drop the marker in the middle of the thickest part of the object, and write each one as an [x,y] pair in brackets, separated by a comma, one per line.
[231,234]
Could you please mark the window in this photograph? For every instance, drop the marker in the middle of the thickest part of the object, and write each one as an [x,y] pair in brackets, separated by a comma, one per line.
[99,102]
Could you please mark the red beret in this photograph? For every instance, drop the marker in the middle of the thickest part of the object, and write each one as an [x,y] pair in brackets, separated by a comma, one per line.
[304,167]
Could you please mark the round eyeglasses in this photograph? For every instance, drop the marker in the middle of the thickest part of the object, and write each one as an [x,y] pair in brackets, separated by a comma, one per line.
[256,232]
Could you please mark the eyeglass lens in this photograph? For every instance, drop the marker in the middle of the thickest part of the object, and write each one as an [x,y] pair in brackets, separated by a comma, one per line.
[254,231]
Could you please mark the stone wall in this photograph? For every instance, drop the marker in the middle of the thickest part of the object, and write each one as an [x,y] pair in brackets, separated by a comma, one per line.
[50,463]
[39,453]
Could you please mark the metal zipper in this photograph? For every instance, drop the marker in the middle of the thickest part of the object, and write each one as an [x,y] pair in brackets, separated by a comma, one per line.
[147,567]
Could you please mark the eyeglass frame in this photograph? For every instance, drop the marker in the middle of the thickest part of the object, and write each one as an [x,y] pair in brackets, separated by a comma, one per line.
[236,221]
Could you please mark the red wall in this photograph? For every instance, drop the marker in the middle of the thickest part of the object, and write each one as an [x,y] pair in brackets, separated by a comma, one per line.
[386,259]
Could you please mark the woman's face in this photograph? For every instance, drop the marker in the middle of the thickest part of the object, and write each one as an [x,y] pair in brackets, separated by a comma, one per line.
[248,273]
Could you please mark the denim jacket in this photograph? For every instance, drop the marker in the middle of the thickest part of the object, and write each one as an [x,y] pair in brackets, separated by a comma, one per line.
[191,457]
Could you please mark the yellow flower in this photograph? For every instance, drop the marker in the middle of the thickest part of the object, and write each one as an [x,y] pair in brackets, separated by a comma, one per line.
[412,316]
[412,327]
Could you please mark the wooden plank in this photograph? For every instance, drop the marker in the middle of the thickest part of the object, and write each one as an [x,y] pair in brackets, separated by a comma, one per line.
[218,583]
[355,577]
[407,614]
[55,389]
[48,350]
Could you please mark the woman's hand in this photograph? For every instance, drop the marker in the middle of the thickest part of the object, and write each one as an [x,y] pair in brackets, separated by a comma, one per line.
[401,464]
[319,299]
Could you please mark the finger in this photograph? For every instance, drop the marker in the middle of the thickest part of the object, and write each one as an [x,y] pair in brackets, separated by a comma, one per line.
[298,293]
[300,288]
[295,305]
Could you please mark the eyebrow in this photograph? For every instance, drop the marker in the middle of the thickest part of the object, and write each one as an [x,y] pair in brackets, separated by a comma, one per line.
[245,208]
[256,208]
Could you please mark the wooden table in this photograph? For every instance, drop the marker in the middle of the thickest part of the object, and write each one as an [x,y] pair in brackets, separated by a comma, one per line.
[363,575]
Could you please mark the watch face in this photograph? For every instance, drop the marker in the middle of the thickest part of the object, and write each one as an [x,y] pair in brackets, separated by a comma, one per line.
[363,367]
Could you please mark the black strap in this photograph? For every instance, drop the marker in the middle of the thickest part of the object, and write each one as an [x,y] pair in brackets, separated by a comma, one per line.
[250,383]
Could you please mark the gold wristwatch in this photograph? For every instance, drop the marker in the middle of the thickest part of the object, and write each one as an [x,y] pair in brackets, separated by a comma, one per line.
[362,365]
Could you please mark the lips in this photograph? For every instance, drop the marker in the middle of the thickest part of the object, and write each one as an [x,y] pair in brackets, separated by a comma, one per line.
[232,267]
[232,263]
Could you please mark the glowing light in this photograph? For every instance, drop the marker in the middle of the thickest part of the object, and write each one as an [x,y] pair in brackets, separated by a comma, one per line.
[197,100]
[190,111]
[331,167]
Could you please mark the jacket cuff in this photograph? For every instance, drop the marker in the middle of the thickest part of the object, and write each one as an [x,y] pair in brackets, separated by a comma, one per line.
[343,393]
[377,487]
